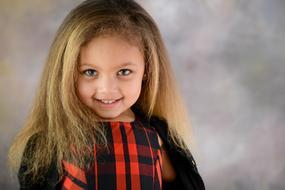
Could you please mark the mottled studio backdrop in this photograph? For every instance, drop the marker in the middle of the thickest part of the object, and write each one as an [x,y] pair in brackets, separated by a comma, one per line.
[229,59]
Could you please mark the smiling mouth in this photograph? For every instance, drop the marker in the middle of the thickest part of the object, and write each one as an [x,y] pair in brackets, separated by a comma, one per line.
[109,101]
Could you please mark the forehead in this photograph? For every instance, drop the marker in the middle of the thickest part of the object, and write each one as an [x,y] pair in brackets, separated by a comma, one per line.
[110,51]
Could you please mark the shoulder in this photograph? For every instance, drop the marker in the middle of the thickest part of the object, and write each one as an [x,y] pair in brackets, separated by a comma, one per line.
[160,126]
[182,160]
[24,172]
[28,151]
[162,129]
[47,180]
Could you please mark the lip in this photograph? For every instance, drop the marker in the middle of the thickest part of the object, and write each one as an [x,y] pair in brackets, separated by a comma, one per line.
[108,106]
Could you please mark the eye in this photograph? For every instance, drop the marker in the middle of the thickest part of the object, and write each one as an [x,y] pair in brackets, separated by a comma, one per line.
[124,72]
[90,72]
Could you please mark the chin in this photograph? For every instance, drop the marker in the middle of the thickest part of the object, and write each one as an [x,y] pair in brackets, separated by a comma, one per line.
[108,116]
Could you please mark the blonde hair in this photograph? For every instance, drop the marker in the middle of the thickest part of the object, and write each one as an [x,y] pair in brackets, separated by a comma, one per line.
[58,119]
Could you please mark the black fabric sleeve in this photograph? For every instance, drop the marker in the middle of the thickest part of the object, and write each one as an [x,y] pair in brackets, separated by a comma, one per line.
[48,179]
[25,181]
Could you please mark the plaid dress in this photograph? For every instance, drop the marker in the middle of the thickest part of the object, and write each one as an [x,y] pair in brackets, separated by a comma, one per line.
[132,162]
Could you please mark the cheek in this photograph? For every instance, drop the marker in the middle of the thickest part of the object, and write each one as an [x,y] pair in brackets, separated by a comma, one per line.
[133,88]
[84,89]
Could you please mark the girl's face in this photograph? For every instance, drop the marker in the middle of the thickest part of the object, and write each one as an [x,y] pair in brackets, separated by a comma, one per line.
[110,77]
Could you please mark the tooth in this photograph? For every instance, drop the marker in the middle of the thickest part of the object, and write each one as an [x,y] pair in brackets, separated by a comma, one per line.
[108,101]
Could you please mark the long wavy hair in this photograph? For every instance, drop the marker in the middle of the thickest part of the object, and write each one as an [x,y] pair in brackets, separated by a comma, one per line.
[58,118]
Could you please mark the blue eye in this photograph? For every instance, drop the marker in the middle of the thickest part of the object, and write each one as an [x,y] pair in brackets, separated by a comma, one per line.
[90,72]
[124,72]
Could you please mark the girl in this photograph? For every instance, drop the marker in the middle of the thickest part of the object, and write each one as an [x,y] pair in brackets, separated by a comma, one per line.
[107,114]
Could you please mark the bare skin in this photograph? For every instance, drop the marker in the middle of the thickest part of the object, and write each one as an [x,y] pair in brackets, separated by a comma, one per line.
[168,172]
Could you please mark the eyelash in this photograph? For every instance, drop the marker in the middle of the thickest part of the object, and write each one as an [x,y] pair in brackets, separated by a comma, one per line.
[94,72]
[122,70]
[87,72]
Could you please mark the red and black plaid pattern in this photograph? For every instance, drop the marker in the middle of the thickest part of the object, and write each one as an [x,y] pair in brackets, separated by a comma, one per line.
[132,162]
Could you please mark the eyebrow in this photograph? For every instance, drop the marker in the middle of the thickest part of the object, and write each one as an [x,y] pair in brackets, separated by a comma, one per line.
[119,66]
[127,64]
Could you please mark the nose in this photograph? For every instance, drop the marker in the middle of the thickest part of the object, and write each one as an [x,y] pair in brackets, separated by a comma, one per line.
[106,85]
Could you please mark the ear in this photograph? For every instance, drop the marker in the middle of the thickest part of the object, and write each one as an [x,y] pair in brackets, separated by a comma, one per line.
[144,77]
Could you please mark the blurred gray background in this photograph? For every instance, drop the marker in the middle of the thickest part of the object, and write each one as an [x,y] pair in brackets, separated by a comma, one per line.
[228,56]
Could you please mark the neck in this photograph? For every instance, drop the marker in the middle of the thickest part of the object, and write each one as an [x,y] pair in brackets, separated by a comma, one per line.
[127,116]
